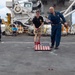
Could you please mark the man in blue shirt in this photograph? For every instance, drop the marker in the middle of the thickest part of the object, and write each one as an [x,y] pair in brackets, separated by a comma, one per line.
[55,19]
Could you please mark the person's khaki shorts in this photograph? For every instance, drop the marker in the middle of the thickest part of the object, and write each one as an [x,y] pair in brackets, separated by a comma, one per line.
[37,32]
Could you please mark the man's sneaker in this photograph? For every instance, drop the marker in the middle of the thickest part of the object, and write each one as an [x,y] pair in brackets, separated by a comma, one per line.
[38,42]
[51,46]
[56,48]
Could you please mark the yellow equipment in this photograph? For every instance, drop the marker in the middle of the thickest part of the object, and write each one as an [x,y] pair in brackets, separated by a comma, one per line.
[8,18]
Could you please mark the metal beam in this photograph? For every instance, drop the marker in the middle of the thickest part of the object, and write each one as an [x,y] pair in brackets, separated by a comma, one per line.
[69,13]
[69,7]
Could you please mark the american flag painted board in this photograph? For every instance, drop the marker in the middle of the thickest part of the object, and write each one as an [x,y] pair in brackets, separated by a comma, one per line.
[42,47]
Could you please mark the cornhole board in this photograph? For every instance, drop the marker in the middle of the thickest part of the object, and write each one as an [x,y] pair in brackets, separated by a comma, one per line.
[42,47]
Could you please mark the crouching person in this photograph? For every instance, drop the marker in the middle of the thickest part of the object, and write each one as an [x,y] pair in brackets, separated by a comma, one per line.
[14,30]
[37,22]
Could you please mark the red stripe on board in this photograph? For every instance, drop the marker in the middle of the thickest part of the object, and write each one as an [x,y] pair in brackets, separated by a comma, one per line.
[43,47]
[36,47]
[46,48]
[40,47]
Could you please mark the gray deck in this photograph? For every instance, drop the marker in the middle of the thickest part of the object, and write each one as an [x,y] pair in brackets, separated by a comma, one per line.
[17,57]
